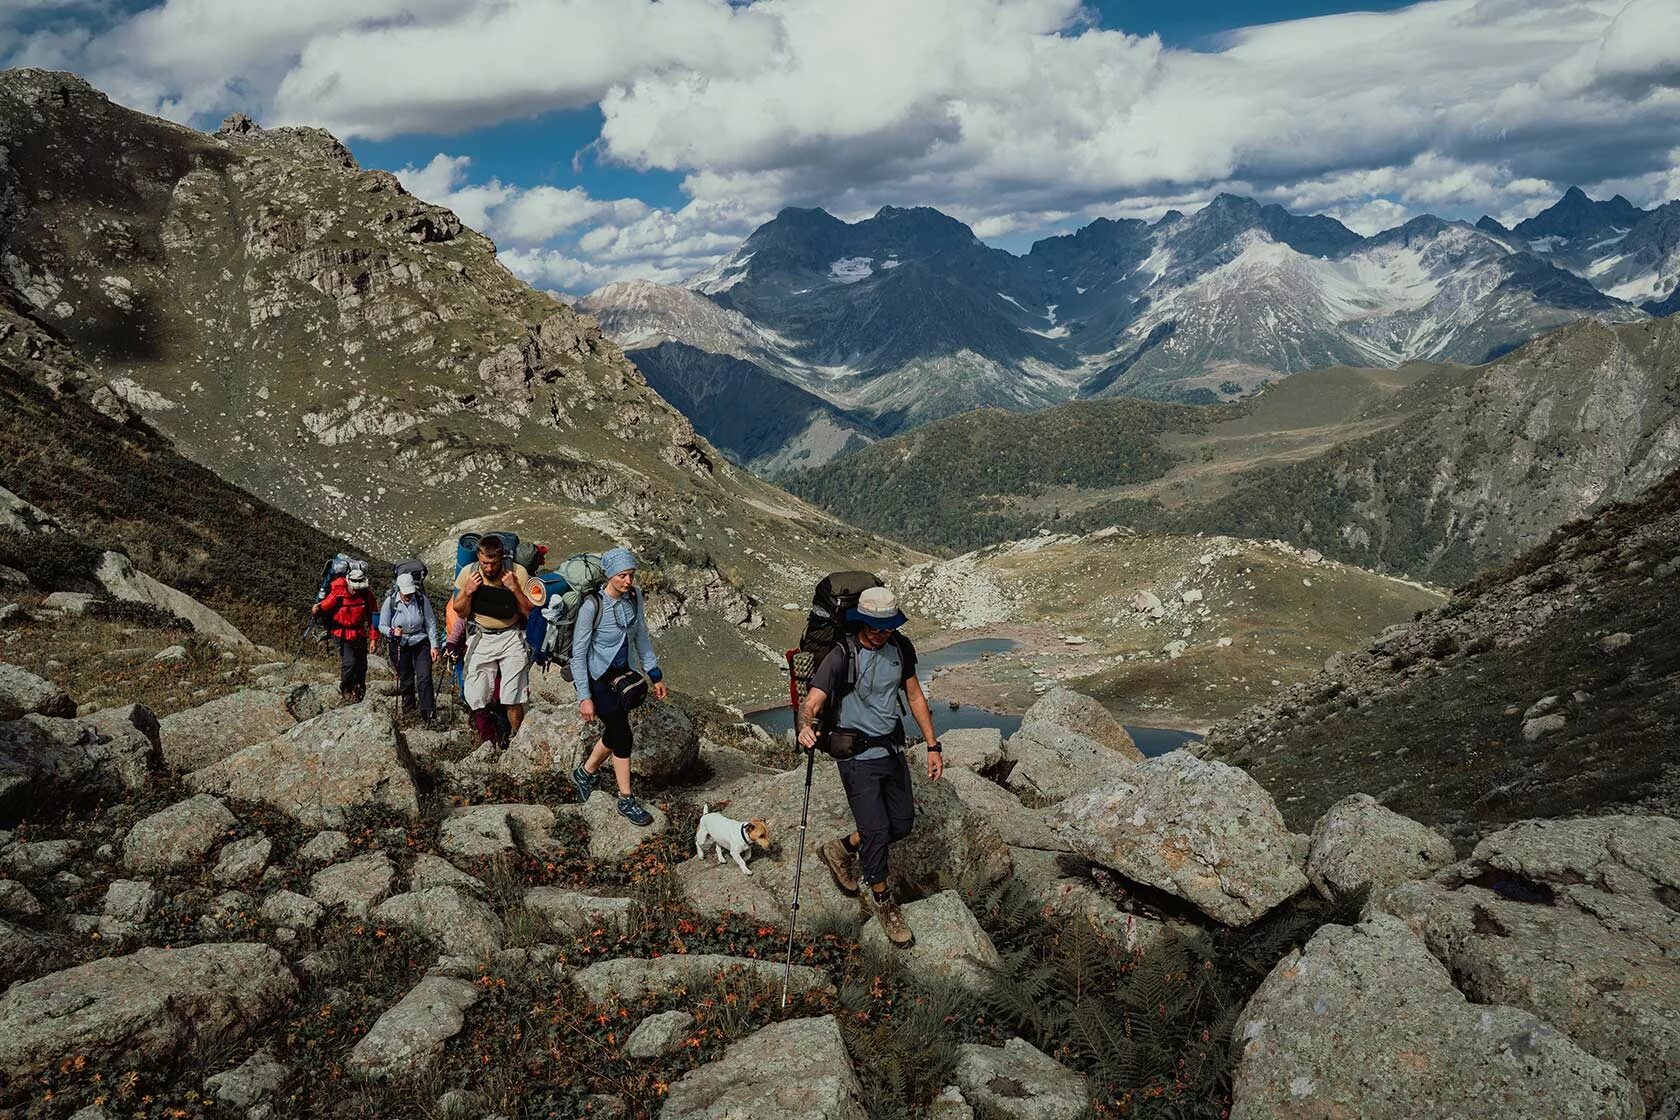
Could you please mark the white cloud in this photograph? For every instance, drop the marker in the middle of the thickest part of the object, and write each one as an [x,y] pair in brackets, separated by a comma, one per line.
[1011,114]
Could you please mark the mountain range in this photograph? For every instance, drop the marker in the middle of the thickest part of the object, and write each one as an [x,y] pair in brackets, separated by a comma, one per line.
[906,317]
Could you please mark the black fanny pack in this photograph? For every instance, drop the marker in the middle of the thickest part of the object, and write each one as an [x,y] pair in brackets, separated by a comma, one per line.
[627,686]
[843,743]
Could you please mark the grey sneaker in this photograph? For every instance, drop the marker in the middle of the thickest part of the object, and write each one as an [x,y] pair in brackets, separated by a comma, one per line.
[583,781]
[631,810]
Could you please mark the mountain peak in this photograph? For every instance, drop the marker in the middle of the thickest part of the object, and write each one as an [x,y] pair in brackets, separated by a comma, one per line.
[1577,215]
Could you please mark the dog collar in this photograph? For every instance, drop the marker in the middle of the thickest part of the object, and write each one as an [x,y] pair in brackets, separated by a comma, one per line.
[744,826]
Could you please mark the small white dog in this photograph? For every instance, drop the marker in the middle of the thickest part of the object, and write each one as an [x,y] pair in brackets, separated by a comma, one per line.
[725,835]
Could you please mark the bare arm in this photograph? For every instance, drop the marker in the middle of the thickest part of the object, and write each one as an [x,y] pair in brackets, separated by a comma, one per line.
[919,709]
[808,713]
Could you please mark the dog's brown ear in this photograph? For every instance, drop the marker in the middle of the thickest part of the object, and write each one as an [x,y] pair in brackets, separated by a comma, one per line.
[760,832]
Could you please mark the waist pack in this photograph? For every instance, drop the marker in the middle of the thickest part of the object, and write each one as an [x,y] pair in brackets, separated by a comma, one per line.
[628,687]
[842,743]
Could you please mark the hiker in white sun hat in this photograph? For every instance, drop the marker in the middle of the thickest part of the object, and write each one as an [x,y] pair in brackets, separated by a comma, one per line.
[871,675]
[407,621]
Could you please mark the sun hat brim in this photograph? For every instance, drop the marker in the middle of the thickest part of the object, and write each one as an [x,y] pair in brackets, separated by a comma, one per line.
[891,622]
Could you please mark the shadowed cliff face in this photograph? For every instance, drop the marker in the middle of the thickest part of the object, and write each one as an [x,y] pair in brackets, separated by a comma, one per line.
[356,357]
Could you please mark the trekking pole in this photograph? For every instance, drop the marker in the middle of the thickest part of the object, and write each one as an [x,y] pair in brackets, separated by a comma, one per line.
[804,823]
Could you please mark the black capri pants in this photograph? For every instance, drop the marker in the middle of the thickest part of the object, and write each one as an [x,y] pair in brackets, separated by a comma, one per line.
[615,721]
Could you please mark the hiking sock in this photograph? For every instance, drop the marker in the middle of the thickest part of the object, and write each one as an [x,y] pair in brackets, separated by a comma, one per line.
[853,843]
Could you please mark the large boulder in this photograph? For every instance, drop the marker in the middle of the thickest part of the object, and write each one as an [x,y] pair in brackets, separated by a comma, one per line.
[1363,1022]
[22,693]
[45,759]
[576,913]
[1018,1081]
[197,737]
[549,742]
[409,1036]
[630,977]
[122,580]
[950,842]
[1074,897]
[950,945]
[611,836]
[457,923]
[1575,921]
[356,885]
[144,1008]
[473,831]
[179,836]
[319,773]
[1200,830]
[129,744]
[797,1069]
[1357,843]
[667,744]
[1066,744]
[1020,826]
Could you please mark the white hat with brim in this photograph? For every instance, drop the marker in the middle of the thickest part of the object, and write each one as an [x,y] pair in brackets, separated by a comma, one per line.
[877,609]
[356,578]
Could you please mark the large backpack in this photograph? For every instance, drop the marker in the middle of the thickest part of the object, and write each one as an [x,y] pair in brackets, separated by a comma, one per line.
[339,565]
[548,630]
[826,627]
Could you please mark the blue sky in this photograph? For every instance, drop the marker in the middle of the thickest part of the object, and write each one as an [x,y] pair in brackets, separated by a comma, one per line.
[599,140]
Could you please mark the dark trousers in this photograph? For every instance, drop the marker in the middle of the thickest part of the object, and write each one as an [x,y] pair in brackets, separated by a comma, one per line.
[615,721]
[352,666]
[414,676]
[878,790]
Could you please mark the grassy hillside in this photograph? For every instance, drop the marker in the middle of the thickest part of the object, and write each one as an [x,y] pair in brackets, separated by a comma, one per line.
[1432,471]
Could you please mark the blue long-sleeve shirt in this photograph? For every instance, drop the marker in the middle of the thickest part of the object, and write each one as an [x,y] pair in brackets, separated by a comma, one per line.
[598,644]
[414,615]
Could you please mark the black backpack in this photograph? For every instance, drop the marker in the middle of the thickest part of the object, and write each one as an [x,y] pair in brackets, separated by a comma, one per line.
[826,627]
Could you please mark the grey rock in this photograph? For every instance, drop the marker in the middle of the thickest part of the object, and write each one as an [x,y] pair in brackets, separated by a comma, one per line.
[667,744]
[171,654]
[41,857]
[433,871]
[610,835]
[250,1083]
[1614,643]
[950,945]
[75,603]
[1358,843]
[1543,706]
[16,901]
[411,1035]
[319,772]
[950,1104]
[549,742]
[1071,897]
[972,748]
[489,830]
[456,923]
[44,757]
[1017,1081]
[324,847]
[1019,826]
[630,977]
[356,885]
[1198,829]
[196,737]
[242,860]
[1574,921]
[145,1007]
[797,1069]
[129,744]
[128,904]
[1364,1022]
[123,581]
[658,1035]
[574,912]
[1066,743]
[1534,730]
[23,693]
[290,910]
[180,835]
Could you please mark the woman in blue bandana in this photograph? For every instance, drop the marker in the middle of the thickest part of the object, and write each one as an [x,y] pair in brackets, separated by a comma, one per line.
[607,627]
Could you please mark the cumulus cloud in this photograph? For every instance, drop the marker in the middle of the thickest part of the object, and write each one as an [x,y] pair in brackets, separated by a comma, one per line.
[1014,115]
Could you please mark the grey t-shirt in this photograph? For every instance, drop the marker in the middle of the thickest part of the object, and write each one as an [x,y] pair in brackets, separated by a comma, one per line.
[873,706]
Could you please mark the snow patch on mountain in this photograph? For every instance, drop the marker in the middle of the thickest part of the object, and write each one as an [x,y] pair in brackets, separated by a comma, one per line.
[849,270]
[722,276]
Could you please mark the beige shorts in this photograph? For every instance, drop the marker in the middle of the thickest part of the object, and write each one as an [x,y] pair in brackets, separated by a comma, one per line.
[497,652]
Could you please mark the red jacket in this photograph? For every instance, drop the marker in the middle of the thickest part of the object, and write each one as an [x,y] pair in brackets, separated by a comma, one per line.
[349,614]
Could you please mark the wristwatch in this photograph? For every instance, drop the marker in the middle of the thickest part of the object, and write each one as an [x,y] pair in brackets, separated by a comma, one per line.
[935,746]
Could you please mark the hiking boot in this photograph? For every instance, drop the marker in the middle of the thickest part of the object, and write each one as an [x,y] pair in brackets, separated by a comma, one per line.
[841,863]
[892,920]
[631,810]
[583,781]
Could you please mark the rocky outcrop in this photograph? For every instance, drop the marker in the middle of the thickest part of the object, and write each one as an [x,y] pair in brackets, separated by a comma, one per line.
[1200,830]
[356,885]
[630,977]
[44,760]
[197,737]
[1364,1022]
[950,945]
[179,836]
[1575,922]
[1067,743]
[458,924]
[797,1069]
[409,1036]
[319,772]
[473,831]
[667,744]
[575,913]
[144,1007]
[117,574]
[1018,1081]
[548,743]
[1359,844]
[23,693]
[610,835]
